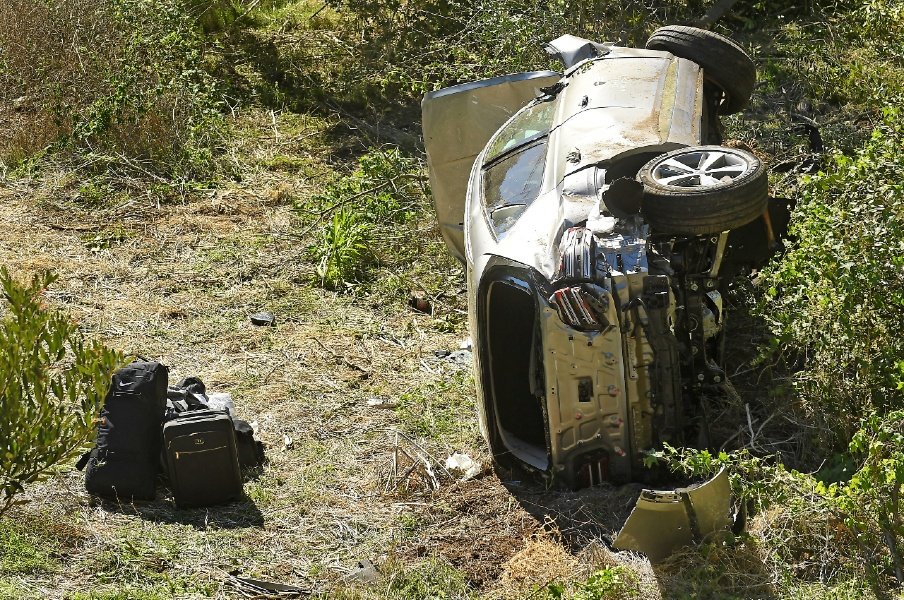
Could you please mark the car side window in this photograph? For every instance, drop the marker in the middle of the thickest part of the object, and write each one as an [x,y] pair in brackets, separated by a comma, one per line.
[531,123]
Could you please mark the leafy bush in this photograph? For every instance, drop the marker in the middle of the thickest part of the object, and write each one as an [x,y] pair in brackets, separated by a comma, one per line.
[384,53]
[120,83]
[837,297]
[386,189]
[51,382]
[858,521]
[342,251]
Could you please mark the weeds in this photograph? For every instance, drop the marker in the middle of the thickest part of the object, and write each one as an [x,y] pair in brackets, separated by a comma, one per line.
[116,86]
[611,583]
[836,298]
[430,580]
[343,249]
[387,189]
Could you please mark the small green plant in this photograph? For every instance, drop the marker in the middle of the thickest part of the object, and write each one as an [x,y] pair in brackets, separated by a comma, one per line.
[342,250]
[52,380]
[387,189]
[611,583]
[430,580]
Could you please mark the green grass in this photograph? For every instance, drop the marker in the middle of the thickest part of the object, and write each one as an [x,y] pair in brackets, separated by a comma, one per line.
[442,411]
[23,551]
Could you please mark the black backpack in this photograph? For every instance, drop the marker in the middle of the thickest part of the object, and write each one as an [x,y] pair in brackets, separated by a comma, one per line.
[123,464]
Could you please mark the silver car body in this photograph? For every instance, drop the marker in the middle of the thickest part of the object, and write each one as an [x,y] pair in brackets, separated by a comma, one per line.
[562,296]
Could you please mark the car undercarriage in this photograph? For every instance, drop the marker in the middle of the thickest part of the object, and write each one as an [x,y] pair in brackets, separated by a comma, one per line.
[601,225]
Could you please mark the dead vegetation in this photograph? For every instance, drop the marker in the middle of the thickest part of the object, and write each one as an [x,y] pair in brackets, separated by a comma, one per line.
[347,480]
[167,264]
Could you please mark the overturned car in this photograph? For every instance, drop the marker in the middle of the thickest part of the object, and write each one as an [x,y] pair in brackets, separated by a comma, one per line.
[600,221]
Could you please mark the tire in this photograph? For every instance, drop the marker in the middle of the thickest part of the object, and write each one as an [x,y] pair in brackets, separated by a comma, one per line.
[703,190]
[724,62]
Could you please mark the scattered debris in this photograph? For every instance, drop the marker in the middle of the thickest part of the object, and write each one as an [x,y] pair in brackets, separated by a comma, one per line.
[461,358]
[420,302]
[380,403]
[412,463]
[464,464]
[364,572]
[221,401]
[266,589]
[287,441]
[263,319]
[465,344]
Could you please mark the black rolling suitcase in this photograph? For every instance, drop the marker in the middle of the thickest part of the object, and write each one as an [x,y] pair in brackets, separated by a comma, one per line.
[201,458]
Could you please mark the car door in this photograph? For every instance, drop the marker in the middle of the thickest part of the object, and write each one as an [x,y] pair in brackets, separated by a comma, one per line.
[457,123]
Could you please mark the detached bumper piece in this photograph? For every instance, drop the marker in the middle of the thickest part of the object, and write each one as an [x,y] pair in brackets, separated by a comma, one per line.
[664,521]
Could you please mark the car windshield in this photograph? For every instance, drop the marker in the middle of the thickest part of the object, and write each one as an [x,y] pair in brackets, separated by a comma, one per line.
[529,124]
[515,179]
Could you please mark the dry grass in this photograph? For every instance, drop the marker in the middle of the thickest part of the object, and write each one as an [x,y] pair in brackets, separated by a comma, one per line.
[177,282]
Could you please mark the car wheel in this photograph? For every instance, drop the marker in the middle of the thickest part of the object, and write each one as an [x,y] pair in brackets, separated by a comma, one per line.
[703,189]
[724,62]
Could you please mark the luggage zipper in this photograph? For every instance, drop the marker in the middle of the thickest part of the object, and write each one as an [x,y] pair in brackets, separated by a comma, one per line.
[178,454]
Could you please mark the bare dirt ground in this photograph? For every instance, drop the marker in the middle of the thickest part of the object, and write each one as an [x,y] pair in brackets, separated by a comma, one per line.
[176,282]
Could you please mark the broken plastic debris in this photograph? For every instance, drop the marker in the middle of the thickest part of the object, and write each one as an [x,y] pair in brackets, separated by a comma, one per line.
[287,441]
[663,521]
[380,403]
[221,401]
[461,357]
[464,464]
[465,344]
[363,572]
[263,319]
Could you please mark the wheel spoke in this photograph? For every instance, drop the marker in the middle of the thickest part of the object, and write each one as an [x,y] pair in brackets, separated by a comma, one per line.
[680,166]
[680,180]
[709,159]
[727,168]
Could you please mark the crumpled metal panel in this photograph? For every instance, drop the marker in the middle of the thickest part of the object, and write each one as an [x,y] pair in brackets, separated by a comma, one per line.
[663,521]
[629,101]
[571,49]
[457,122]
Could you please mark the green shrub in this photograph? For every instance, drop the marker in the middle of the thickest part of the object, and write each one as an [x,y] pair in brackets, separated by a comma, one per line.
[52,380]
[343,249]
[386,189]
[384,53]
[836,299]
[611,583]
[118,83]
[857,523]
